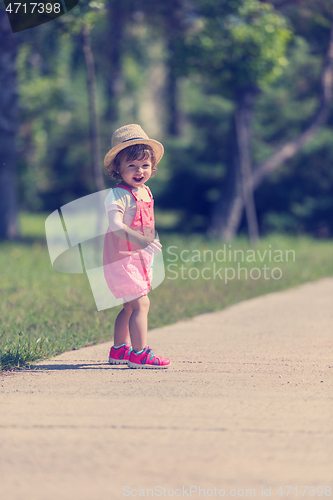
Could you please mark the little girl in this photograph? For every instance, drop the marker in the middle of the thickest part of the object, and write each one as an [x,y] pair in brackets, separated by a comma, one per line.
[130,243]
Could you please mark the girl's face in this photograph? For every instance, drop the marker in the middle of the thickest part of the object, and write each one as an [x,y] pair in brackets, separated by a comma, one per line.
[135,172]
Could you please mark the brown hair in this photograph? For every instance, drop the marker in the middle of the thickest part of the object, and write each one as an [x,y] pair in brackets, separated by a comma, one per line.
[134,152]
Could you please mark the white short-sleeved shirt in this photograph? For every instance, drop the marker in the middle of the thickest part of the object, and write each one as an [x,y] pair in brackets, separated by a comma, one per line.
[121,200]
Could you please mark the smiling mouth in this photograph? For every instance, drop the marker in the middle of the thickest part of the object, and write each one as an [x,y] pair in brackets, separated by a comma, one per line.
[138,179]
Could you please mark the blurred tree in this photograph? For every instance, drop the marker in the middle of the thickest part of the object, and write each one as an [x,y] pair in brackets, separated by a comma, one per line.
[94,122]
[8,129]
[174,16]
[291,148]
[284,106]
[59,108]
[170,22]
[240,47]
[54,155]
[117,15]
[297,197]
[83,20]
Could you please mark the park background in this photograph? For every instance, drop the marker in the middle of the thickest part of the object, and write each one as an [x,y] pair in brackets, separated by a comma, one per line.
[239,92]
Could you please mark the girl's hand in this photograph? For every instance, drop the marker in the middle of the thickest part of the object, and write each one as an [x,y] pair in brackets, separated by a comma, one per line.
[154,247]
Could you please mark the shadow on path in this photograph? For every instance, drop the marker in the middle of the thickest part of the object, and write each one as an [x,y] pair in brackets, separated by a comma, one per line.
[82,366]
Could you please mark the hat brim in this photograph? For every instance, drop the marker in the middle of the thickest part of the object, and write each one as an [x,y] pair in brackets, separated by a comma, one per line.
[156,146]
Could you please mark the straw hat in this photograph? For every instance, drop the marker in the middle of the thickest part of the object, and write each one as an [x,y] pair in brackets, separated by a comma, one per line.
[127,136]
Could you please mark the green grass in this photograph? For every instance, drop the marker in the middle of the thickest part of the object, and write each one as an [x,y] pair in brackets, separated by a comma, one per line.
[44,312]
[32,225]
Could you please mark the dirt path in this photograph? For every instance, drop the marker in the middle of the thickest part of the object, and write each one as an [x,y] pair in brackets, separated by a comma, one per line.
[245,408]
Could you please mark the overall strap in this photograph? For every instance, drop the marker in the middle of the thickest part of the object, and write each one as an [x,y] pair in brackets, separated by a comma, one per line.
[129,189]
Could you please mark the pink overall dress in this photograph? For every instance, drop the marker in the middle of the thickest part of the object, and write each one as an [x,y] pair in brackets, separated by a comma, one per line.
[127,268]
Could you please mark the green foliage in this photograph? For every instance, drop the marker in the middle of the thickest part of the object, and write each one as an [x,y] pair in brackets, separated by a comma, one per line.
[228,45]
[86,12]
[298,198]
[198,164]
[241,43]
[55,158]
[287,104]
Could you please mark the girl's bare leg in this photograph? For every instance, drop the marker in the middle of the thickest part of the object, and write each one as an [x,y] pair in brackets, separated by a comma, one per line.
[121,327]
[138,323]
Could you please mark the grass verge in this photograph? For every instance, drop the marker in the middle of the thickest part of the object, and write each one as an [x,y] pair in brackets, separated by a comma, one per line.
[45,313]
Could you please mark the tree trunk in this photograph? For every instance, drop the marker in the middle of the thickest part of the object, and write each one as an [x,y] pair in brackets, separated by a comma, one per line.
[94,128]
[227,213]
[173,33]
[116,20]
[243,120]
[228,210]
[224,217]
[8,130]
[173,128]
